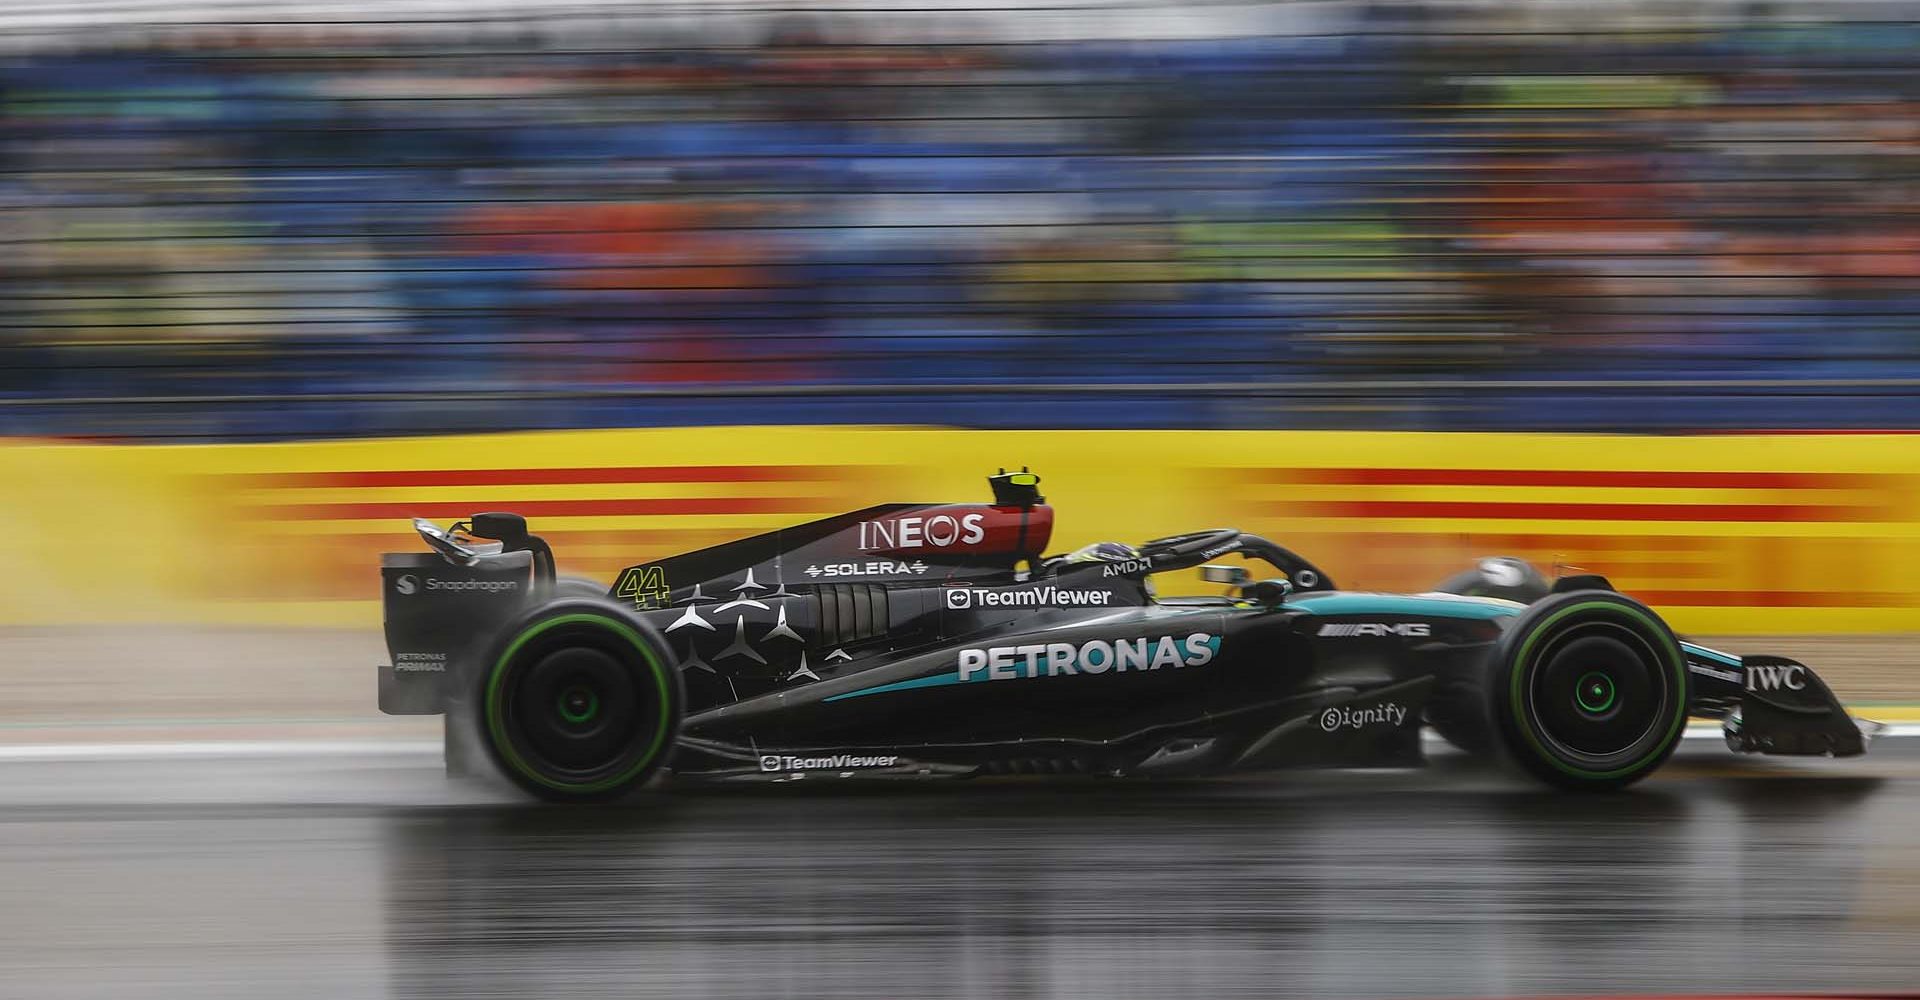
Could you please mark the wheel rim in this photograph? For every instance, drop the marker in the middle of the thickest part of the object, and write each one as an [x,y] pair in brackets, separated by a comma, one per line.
[1598,695]
[573,712]
[578,704]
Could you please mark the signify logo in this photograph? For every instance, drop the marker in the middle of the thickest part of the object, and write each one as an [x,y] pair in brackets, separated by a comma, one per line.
[1056,659]
[1347,717]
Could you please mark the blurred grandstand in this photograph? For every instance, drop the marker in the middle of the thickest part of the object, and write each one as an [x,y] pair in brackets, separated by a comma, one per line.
[277,220]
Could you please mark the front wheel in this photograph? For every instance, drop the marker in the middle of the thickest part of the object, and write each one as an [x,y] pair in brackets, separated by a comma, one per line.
[578,700]
[1589,690]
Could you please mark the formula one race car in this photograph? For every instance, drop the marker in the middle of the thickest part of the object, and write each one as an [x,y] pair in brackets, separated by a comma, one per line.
[936,640]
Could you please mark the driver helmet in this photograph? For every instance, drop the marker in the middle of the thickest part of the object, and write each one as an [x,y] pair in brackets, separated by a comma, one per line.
[1102,552]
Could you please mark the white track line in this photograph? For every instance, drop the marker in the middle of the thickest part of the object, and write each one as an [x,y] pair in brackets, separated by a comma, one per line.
[217,750]
[1711,731]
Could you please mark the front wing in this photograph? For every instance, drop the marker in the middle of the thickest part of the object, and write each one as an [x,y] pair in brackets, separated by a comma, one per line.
[1774,705]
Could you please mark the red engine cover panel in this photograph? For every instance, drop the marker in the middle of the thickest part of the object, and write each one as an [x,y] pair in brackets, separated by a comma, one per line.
[960,529]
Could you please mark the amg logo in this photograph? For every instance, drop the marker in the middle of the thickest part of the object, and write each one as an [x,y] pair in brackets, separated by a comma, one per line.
[1773,677]
[1339,629]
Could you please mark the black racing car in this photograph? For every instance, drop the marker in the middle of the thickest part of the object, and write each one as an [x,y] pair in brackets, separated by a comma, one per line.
[936,640]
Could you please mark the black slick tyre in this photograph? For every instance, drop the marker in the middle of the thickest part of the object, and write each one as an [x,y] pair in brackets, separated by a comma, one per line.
[577,701]
[1588,690]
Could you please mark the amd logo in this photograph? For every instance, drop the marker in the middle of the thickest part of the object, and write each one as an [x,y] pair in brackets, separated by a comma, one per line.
[1773,677]
[1344,629]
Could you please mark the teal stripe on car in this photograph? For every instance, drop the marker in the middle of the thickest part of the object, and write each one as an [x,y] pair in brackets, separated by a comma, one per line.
[1427,605]
[1710,654]
[937,680]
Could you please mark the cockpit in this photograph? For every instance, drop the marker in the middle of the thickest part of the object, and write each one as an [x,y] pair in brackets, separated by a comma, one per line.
[1267,574]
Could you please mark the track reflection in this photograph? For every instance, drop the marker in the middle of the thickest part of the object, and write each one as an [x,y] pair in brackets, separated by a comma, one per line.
[371,876]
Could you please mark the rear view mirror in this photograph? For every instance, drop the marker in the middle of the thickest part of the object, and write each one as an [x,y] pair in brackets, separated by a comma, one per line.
[1269,593]
[501,526]
[1232,576]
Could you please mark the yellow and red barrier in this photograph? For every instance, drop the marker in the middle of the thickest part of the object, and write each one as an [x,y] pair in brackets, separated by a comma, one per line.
[1725,534]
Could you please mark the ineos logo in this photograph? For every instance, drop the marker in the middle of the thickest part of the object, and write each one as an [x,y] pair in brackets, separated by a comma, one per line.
[407,584]
[939,531]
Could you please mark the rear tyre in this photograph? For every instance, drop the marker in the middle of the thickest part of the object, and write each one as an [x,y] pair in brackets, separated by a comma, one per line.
[1589,690]
[578,701]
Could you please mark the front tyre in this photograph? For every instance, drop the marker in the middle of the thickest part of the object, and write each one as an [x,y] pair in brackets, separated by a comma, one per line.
[578,701]
[1589,690]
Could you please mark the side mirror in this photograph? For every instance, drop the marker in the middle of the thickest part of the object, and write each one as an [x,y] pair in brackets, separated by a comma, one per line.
[1268,593]
[1232,576]
[501,527]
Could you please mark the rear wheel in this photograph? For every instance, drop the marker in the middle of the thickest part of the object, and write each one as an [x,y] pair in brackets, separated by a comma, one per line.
[1589,690]
[578,701]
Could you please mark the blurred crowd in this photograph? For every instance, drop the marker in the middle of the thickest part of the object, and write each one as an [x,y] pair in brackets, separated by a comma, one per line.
[1415,215]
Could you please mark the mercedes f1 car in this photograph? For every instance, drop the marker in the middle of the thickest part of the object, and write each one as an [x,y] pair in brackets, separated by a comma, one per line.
[938,640]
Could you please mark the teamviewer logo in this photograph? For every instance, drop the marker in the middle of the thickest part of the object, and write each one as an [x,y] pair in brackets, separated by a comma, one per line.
[959,598]
[770,762]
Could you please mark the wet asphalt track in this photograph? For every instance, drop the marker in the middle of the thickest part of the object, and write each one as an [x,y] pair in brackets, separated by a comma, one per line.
[368,875]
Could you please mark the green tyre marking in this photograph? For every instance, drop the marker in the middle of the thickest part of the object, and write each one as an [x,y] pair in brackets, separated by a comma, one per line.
[495,724]
[1678,663]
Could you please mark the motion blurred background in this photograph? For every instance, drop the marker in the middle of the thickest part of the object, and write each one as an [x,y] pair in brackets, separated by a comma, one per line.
[763,229]
[1403,283]
[253,219]
[1623,285]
